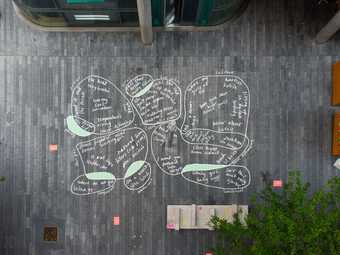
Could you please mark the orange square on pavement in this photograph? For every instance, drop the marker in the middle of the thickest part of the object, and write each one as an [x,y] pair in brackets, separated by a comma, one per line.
[116,220]
[277,183]
[53,147]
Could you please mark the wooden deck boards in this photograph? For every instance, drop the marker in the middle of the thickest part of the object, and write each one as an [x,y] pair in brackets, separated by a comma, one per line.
[270,47]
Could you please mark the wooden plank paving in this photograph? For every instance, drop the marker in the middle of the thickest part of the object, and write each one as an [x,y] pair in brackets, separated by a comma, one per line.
[270,47]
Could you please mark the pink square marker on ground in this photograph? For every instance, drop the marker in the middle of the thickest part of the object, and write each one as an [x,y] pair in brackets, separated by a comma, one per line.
[277,183]
[170,226]
[116,220]
[209,253]
[53,147]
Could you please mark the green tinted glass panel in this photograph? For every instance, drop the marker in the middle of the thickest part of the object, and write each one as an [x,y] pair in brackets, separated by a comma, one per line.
[84,1]
[157,12]
[205,9]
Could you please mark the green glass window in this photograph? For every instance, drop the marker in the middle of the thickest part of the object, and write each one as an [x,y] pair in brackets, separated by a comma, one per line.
[86,13]
[194,12]
[223,10]
[120,13]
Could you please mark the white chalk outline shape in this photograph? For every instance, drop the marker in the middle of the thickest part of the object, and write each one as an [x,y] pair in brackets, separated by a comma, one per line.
[138,93]
[99,137]
[109,189]
[115,87]
[234,161]
[158,124]
[145,183]
[214,131]
[103,191]
[224,189]
[168,81]
[181,132]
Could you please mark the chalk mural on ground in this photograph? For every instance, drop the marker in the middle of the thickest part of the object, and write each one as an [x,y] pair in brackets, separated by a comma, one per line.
[205,148]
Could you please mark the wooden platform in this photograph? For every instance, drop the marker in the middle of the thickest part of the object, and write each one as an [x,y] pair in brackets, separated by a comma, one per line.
[336,135]
[270,47]
[199,216]
[336,84]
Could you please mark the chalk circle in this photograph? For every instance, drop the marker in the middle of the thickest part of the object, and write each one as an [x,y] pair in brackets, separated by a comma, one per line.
[102,104]
[118,153]
[159,103]
[205,99]
[84,186]
[79,126]
[139,85]
[137,175]
[228,178]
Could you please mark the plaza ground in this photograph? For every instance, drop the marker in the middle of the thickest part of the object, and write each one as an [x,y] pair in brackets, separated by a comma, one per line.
[270,47]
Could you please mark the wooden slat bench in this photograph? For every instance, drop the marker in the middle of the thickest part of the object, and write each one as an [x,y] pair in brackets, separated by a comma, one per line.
[336,84]
[199,216]
[336,135]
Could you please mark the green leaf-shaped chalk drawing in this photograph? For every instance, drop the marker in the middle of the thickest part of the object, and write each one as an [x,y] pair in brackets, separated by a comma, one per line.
[73,126]
[100,176]
[144,90]
[134,168]
[201,167]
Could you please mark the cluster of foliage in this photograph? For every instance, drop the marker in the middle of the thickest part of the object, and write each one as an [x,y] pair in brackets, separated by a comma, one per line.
[288,221]
[2,178]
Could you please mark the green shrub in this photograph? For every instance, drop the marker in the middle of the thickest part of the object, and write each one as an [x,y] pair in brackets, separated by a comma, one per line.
[287,222]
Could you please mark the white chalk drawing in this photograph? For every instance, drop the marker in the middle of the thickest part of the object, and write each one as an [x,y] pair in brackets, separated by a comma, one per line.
[205,149]
[216,111]
[156,101]
[98,107]
[214,130]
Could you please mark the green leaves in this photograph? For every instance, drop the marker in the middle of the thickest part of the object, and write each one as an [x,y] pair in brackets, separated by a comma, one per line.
[289,221]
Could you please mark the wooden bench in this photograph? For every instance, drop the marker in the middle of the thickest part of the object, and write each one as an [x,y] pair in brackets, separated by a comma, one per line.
[199,216]
[336,135]
[336,84]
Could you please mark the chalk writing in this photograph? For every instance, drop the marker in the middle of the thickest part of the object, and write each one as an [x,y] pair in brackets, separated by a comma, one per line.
[161,103]
[205,149]
[99,107]
[216,113]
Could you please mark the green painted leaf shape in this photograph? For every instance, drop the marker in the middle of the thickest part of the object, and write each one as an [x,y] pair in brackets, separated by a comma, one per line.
[74,127]
[139,85]
[201,167]
[100,176]
[144,90]
[134,168]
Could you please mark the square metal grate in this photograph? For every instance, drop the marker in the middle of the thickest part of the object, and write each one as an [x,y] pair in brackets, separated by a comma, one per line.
[50,233]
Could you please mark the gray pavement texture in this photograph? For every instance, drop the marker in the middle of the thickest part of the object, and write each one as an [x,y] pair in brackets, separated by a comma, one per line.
[270,47]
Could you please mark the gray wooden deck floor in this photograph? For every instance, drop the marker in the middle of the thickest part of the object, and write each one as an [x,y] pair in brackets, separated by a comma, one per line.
[270,47]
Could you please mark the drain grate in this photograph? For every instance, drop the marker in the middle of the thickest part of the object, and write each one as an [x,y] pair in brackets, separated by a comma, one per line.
[50,233]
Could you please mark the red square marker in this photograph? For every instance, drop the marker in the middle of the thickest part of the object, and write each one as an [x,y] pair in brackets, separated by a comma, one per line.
[116,220]
[277,183]
[53,147]
[209,253]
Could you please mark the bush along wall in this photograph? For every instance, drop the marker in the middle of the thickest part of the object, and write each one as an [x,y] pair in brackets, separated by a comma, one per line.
[287,222]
